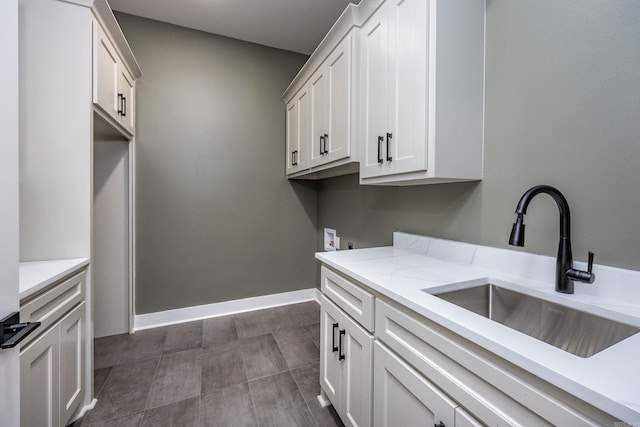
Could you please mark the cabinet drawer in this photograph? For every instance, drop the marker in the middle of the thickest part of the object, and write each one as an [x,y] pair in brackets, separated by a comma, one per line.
[351,298]
[493,390]
[50,306]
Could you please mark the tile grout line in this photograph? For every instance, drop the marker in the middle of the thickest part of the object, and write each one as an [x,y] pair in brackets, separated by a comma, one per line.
[244,366]
[199,419]
[304,400]
[155,375]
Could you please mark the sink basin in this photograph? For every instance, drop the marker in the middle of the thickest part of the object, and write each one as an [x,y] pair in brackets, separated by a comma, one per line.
[571,330]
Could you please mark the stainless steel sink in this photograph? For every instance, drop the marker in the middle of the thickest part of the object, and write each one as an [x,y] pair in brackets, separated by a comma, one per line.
[571,330]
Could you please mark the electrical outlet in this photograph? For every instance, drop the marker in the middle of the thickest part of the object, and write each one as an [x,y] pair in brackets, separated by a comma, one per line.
[349,245]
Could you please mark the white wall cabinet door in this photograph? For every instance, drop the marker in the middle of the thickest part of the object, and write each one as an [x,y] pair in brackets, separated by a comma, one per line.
[337,138]
[406,138]
[298,131]
[403,397]
[330,88]
[374,68]
[126,99]
[39,381]
[346,358]
[72,353]
[394,79]
[105,73]
[318,92]
[292,135]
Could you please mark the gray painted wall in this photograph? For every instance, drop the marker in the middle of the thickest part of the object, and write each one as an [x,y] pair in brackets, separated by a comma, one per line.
[216,218]
[562,108]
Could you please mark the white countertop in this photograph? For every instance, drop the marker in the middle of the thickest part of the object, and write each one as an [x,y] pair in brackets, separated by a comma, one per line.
[37,275]
[607,380]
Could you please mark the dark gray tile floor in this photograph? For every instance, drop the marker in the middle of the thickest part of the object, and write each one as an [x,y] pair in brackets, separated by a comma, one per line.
[259,368]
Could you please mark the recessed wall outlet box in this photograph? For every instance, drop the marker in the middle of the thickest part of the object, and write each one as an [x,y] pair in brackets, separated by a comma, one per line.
[331,241]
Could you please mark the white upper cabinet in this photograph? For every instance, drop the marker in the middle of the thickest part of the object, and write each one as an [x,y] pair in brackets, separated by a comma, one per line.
[105,72]
[394,93]
[126,99]
[331,106]
[113,85]
[397,93]
[421,98]
[329,77]
[298,131]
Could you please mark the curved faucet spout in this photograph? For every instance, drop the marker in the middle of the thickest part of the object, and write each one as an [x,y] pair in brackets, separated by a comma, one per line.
[565,273]
[563,206]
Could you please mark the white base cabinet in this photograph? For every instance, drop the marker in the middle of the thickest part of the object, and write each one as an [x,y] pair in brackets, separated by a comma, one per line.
[346,365]
[53,359]
[403,397]
[414,372]
[39,380]
[72,352]
[52,374]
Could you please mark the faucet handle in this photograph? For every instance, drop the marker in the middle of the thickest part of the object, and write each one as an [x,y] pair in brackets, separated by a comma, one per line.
[583,276]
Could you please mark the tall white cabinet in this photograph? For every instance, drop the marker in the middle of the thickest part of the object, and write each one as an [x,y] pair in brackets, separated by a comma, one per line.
[77,78]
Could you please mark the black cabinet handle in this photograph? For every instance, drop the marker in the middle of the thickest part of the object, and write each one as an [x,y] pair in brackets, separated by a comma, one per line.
[12,331]
[326,137]
[120,105]
[440,424]
[334,347]
[321,142]
[294,157]
[340,353]
[380,139]
[124,108]
[389,136]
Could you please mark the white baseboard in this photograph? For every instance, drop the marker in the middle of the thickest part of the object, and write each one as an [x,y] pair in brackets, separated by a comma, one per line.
[83,411]
[187,314]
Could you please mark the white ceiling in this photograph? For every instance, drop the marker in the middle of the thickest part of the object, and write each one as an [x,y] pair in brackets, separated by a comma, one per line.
[295,25]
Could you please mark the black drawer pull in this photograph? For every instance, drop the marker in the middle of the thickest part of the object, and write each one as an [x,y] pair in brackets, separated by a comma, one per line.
[389,136]
[340,353]
[380,140]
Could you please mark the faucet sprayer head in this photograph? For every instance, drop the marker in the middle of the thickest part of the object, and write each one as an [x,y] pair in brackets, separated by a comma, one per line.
[517,232]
